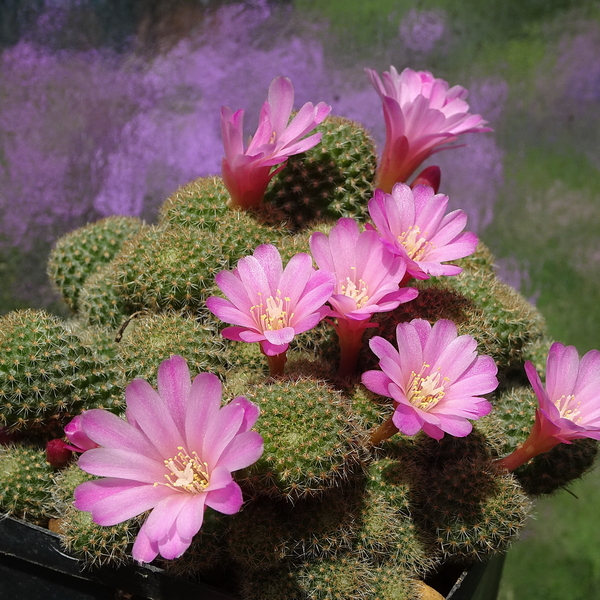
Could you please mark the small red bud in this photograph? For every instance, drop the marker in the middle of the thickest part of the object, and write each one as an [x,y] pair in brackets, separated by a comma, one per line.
[57,453]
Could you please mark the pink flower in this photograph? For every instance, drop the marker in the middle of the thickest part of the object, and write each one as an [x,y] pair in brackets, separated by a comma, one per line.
[269,304]
[74,432]
[435,378]
[367,277]
[366,273]
[569,406]
[421,114]
[246,173]
[173,455]
[413,224]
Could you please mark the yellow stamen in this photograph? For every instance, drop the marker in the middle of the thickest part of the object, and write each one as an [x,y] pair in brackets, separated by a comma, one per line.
[359,293]
[425,392]
[416,246]
[568,409]
[276,315]
[187,472]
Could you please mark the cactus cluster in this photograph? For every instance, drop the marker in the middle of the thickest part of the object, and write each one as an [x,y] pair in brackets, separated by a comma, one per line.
[331,180]
[326,515]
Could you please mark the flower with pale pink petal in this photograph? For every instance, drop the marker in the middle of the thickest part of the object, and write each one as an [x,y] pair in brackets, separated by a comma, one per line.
[269,304]
[569,405]
[435,378]
[367,277]
[421,114]
[79,441]
[173,455]
[247,172]
[413,224]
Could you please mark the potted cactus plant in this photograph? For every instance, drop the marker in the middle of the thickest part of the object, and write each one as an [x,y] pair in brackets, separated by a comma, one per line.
[360,429]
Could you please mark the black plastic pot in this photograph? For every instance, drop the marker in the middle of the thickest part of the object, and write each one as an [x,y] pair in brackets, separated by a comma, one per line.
[33,566]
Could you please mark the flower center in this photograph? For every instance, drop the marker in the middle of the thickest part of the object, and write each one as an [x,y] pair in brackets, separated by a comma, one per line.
[416,246]
[359,293]
[425,391]
[568,409]
[275,315]
[187,472]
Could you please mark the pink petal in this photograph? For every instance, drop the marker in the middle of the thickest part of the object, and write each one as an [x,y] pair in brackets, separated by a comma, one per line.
[269,259]
[455,425]
[114,462]
[144,549]
[231,285]
[317,291]
[251,412]
[174,385]
[190,518]
[152,416]
[272,349]
[434,431]
[162,518]
[561,370]
[242,334]
[113,501]
[279,337]
[407,420]
[295,277]
[225,311]
[219,478]
[227,500]
[172,546]
[281,102]
[108,430]
[243,450]
[376,381]
[319,248]
[203,407]
[254,278]
[219,432]
[536,383]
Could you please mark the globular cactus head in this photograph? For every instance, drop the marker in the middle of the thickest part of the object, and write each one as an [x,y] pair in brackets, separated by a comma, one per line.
[81,253]
[331,180]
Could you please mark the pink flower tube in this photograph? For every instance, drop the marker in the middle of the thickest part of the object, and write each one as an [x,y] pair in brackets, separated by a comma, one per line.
[269,304]
[435,378]
[367,277]
[173,456]
[421,114]
[569,405]
[247,172]
[413,224]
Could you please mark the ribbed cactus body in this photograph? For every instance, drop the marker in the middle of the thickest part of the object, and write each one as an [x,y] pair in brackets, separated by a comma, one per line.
[47,373]
[474,508]
[200,204]
[82,252]
[99,301]
[310,442]
[150,339]
[25,483]
[334,179]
